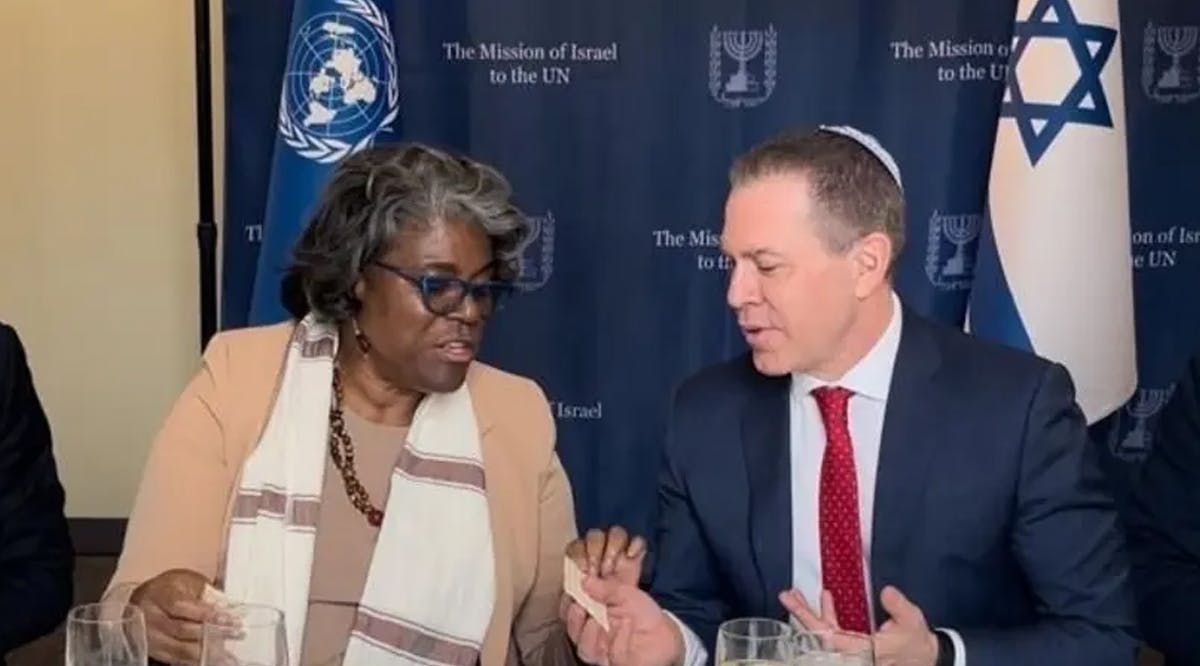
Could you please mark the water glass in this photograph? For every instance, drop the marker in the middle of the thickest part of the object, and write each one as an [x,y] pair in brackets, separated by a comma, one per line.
[833,648]
[106,634]
[244,635]
[754,642]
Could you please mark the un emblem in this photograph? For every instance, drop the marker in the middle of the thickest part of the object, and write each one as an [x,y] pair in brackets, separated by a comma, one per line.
[1131,435]
[745,85]
[1171,63]
[537,257]
[340,87]
[950,254]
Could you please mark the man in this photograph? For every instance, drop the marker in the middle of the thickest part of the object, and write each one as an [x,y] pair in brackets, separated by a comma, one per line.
[1164,527]
[36,557]
[863,467]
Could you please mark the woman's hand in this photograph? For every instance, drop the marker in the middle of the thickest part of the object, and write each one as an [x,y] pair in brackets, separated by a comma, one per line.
[609,554]
[175,613]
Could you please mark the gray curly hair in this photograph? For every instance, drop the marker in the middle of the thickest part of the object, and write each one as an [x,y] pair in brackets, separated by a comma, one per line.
[375,193]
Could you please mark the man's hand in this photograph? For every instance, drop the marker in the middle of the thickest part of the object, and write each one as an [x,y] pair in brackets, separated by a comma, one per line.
[904,640]
[609,554]
[795,603]
[825,622]
[590,639]
[175,615]
[641,633]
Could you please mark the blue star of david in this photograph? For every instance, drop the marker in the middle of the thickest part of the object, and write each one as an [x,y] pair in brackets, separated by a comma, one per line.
[1085,103]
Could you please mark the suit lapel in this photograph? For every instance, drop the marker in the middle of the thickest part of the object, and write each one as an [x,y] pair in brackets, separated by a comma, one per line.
[910,428]
[765,440]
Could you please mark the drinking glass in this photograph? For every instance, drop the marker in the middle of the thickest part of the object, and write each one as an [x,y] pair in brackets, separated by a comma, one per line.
[833,648]
[244,635]
[754,642]
[106,634]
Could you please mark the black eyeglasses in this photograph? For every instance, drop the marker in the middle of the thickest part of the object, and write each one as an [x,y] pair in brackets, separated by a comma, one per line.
[443,294]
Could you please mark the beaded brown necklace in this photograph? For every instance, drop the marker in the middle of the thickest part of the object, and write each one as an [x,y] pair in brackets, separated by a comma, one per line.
[341,449]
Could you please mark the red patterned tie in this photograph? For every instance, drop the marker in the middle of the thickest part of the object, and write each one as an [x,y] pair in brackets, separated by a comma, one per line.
[841,537]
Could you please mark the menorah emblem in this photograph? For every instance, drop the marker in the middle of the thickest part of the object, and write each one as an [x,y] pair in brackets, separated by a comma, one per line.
[1176,42]
[1136,443]
[742,87]
[742,46]
[1170,79]
[537,256]
[953,272]
[960,230]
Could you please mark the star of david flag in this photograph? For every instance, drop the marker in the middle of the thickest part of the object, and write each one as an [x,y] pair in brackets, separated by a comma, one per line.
[1054,272]
[340,90]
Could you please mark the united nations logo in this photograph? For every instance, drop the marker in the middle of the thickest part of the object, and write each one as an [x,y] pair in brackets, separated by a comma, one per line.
[1171,63]
[1131,435]
[744,86]
[537,258]
[950,254]
[340,88]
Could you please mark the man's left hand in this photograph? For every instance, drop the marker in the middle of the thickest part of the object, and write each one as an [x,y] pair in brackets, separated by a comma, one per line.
[905,639]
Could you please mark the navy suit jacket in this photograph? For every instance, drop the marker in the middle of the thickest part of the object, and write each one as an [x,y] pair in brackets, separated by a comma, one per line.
[36,557]
[991,510]
[1164,527]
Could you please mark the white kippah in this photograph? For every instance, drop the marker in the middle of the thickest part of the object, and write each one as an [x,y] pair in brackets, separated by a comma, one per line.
[870,143]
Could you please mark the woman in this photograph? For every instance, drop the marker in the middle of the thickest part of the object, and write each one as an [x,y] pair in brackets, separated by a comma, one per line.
[357,468]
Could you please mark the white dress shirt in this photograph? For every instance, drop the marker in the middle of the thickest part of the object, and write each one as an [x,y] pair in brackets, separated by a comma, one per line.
[870,380]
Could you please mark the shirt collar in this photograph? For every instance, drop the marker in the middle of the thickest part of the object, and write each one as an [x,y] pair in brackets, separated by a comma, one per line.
[871,377]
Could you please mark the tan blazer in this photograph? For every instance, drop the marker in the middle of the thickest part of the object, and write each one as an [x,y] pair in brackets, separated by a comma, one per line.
[181,515]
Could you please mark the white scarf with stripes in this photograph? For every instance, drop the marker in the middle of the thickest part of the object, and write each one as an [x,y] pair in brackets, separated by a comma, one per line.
[430,586]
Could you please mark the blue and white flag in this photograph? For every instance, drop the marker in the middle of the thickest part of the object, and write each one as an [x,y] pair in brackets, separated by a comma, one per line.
[1054,272]
[340,89]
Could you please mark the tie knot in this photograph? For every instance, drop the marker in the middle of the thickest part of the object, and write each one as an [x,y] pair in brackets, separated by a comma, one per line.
[832,399]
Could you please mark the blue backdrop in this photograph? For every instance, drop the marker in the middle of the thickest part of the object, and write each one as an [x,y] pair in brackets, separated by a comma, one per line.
[616,123]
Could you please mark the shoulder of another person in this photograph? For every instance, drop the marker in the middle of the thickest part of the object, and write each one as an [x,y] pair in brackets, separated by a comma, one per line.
[1191,372]
[13,363]
[1183,407]
[9,342]
[10,345]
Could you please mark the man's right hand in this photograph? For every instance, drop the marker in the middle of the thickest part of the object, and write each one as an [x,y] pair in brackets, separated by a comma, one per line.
[175,614]
[642,634]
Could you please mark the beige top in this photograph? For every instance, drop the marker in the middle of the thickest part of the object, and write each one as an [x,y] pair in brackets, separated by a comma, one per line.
[345,540]
[181,516]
